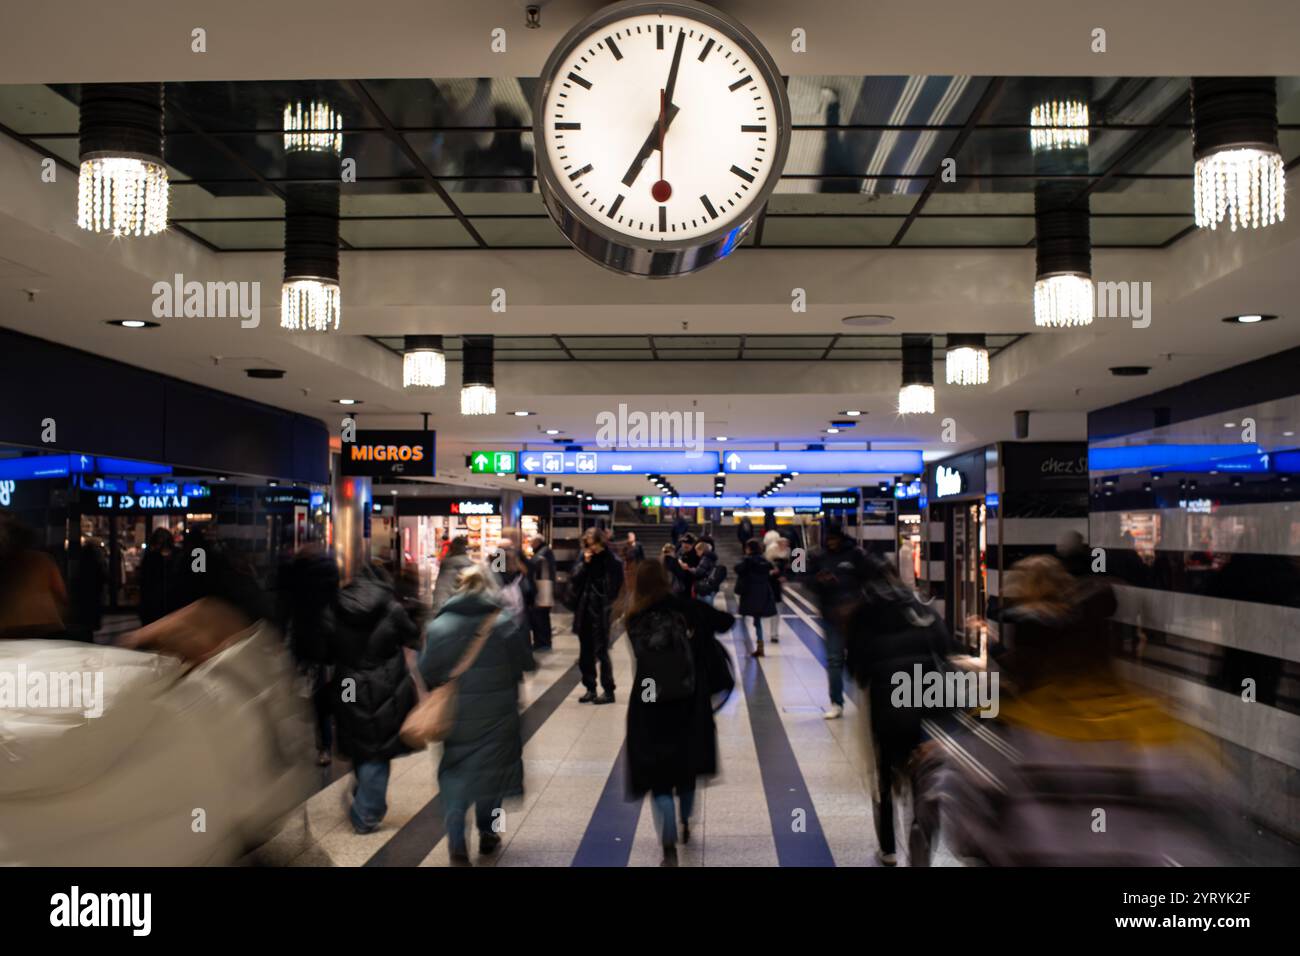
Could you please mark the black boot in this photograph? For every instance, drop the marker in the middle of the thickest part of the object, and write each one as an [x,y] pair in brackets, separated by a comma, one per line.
[606,698]
[588,698]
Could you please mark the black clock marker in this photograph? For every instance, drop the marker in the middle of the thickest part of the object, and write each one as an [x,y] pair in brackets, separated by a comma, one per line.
[709,206]
[585,83]
[753,129]
[583,171]
[734,86]
[663,218]
[613,48]
[614,208]
[659,37]
[705,52]
[568,126]
[742,174]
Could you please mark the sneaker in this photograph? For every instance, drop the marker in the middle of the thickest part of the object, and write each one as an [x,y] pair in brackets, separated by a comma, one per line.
[606,698]
[833,712]
[588,698]
[775,639]
[488,843]
[887,859]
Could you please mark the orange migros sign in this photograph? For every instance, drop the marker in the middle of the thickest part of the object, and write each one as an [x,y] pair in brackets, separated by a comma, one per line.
[388,452]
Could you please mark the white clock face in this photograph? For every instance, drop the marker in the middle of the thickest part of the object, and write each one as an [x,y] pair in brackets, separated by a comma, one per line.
[647,81]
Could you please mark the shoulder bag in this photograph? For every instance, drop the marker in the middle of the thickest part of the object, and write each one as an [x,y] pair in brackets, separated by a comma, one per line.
[432,719]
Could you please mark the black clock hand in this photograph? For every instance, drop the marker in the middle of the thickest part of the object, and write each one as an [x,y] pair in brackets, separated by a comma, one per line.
[672,71]
[649,146]
[655,140]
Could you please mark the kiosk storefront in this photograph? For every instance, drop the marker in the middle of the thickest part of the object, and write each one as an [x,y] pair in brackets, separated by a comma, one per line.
[427,525]
[954,523]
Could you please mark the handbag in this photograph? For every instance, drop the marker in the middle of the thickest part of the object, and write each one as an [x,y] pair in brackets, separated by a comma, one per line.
[545,593]
[432,719]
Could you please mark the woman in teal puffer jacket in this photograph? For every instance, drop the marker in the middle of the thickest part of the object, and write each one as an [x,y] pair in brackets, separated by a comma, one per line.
[482,759]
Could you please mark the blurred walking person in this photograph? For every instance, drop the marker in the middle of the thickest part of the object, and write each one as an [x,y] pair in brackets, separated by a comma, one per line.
[542,570]
[891,636]
[482,758]
[838,571]
[450,568]
[671,737]
[153,575]
[596,585]
[372,688]
[755,578]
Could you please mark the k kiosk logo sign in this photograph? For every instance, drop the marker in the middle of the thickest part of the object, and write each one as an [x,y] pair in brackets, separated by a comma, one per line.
[384,453]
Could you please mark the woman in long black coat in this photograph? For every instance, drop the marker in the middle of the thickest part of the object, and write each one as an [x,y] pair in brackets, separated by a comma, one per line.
[756,579]
[671,739]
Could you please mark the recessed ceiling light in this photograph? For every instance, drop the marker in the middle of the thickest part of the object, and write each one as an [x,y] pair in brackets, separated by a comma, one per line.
[1130,370]
[348,401]
[832,431]
[1249,319]
[552,431]
[867,320]
[720,438]
[133,323]
[521,414]
[1229,424]
[852,413]
[1287,434]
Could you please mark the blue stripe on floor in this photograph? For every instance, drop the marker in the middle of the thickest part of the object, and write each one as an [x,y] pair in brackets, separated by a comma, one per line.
[783,783]
[612,828]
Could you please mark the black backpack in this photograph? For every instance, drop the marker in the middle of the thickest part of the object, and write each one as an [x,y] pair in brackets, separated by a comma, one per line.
[663,653]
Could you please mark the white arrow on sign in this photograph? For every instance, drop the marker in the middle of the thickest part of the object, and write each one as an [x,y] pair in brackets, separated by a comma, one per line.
[530,463]
[733,460]
[481,461]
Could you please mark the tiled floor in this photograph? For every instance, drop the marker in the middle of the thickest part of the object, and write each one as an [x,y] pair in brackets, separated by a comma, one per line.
[570,762]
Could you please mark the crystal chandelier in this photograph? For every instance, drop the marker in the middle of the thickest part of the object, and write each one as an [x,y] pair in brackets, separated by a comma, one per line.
[916,395]
[966,360]
[311,304]
[314,126]
[1058,125]
[122,184]
[310,298]
[478,394]
[1063,255]
[424,363]
[1239,175]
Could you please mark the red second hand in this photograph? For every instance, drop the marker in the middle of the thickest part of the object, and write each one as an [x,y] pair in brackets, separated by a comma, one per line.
[661,190]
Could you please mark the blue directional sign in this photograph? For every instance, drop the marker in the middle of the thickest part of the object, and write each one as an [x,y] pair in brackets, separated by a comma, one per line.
[617,462]
[1135,457]
[745,501]
[741,462]
[61,466]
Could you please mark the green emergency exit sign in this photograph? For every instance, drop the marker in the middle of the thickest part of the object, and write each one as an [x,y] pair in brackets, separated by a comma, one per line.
[491,462]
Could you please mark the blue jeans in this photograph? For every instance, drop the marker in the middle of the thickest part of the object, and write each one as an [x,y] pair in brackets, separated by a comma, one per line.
[665,811]
[370,798]
[758,627]
[484,816]
[834,661]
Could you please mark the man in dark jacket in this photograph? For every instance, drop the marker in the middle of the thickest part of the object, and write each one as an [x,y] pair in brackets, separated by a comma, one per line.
[838,571]
[596,585]
[373,691]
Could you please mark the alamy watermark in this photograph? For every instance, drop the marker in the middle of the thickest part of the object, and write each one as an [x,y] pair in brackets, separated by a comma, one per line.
[950,690]
[208,300]
[637,429]
[23,689]
[1123,300]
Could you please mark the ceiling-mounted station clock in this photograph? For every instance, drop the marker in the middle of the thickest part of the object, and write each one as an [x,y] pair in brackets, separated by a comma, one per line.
[660,129]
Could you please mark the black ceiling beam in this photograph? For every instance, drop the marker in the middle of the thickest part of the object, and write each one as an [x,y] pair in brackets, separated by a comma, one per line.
[986,99]
[372,107]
